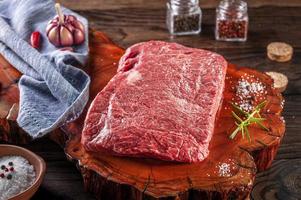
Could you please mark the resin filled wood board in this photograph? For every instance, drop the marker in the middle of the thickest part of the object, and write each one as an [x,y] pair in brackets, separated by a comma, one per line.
[229,170]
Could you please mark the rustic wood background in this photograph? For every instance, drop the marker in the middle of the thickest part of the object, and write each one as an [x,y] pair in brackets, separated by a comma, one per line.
[131,21]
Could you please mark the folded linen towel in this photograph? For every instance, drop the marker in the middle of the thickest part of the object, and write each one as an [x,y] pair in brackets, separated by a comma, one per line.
[52,90]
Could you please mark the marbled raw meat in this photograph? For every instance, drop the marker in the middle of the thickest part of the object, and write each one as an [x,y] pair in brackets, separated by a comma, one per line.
[161,104]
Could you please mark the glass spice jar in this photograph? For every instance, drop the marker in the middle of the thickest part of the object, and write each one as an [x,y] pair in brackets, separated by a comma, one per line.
[183,17]
[232,21]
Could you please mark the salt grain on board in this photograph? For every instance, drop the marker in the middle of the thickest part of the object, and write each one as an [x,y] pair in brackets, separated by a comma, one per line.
[224,170]
[282,103]
[246,90]
[282,119]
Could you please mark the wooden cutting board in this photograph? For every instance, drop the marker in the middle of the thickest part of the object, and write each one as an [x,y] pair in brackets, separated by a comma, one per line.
[227,173]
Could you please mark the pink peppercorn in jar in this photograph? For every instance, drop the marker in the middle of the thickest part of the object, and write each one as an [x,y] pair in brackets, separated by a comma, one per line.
[232,21]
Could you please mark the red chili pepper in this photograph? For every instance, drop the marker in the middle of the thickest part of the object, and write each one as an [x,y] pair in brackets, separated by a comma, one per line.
[35,39]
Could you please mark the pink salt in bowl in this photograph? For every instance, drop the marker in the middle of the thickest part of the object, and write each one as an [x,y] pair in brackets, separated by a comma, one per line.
[36,161]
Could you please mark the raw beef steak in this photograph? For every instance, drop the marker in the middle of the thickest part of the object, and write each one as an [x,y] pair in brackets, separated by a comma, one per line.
[161,104]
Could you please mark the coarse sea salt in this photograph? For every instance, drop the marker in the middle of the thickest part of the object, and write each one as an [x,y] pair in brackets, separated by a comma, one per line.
[247,90]
[21,176]
[224,170]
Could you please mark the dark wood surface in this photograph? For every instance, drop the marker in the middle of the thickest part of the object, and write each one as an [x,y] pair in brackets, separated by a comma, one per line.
[131,22]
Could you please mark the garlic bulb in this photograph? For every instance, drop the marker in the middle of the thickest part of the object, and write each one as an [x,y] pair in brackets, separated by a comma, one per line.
[65,30]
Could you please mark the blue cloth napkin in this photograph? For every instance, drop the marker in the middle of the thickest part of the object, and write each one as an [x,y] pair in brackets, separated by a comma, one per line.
[53,91]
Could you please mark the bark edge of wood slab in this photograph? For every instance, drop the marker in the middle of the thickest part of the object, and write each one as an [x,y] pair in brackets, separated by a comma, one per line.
[111,177]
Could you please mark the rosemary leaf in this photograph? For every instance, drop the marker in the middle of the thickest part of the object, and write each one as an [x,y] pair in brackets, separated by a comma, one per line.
[250,118]
[248,134]
[260,106]
[243,133]
[239,109]
[232,136]
[259,115]
[262,126]
[256,120]
[236,117]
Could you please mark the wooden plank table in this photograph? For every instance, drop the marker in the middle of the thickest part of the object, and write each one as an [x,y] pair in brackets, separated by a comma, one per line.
[140,20]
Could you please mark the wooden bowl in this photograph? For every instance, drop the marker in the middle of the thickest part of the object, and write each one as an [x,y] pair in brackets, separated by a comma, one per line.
[35,160]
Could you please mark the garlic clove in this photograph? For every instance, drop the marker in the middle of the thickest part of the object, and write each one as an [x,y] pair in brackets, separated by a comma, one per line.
[54,20]
[79,36]
[49,27]
[66,37]
[77,24]
[71,18]
[69,27]
[53,36]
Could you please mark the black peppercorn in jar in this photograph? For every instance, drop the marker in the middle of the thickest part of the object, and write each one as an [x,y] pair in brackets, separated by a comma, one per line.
[183,17]
[232,20]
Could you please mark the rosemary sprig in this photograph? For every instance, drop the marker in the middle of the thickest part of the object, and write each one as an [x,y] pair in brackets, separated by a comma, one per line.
[250,118]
